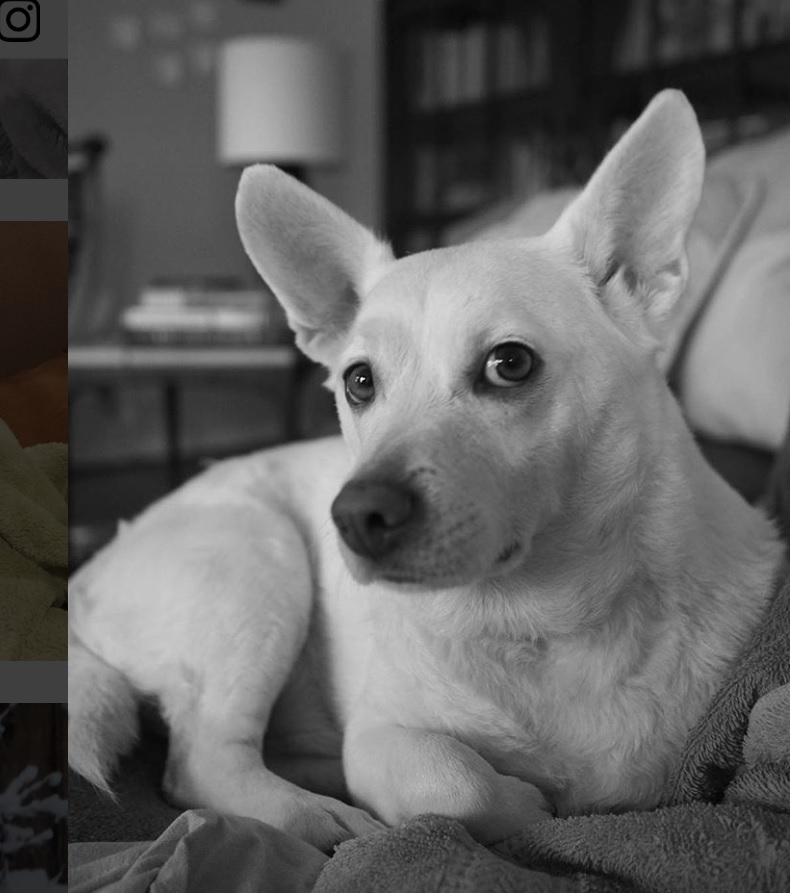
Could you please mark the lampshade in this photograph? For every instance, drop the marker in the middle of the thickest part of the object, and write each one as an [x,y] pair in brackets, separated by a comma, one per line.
[279,100]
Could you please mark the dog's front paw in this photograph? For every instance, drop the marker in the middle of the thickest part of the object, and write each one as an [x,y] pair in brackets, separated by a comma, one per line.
[516,804]
[326,822]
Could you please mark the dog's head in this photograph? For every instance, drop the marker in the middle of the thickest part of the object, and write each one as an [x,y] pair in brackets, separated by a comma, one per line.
[486,391]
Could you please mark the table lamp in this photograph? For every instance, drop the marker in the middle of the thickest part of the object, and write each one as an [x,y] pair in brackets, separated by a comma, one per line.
[279,101]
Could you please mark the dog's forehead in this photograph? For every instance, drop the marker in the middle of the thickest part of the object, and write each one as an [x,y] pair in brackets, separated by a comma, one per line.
[475,288]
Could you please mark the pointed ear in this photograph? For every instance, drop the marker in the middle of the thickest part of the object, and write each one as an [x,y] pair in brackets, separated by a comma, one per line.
[629,225]
[314,257]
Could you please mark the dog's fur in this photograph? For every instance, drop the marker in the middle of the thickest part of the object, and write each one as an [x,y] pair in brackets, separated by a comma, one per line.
[570,585]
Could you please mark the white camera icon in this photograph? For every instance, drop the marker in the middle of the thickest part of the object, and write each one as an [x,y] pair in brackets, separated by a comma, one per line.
[20,20]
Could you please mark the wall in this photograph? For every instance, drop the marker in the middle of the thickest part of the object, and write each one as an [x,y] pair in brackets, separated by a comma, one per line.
[168,204]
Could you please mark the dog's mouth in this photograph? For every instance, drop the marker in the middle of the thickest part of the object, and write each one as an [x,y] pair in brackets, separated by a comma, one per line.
[409,577]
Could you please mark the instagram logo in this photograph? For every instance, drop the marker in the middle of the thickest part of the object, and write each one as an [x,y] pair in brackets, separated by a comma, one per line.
[19,20]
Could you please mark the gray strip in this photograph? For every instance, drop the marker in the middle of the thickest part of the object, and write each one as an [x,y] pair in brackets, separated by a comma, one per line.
[34,199]
[34,681]
[53,39]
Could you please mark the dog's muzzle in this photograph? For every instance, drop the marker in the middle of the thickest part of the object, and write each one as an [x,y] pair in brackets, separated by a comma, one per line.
[375,517]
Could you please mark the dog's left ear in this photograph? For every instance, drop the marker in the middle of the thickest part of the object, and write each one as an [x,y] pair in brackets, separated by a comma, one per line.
[316,259]
[629,225]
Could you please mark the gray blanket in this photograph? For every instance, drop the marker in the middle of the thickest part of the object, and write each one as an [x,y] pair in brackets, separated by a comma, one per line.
[724,825]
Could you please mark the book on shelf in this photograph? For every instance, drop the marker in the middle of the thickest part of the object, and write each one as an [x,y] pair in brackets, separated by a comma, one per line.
[523,56]
[200,292]
[203,311]
[684,30]
[764,21]
[473,68]
[451,63]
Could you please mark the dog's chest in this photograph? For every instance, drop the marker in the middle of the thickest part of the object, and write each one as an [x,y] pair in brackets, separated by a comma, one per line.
[545,714]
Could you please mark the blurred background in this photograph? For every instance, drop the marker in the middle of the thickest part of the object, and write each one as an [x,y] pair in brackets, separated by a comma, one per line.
[432,121]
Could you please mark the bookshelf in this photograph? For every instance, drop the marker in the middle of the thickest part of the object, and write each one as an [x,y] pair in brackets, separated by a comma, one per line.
[487,101]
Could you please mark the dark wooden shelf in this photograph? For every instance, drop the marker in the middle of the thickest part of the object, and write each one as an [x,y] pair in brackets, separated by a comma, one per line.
[475,114]
[438,13]
[544,136]
[709,71]
[768,69]
[423,220]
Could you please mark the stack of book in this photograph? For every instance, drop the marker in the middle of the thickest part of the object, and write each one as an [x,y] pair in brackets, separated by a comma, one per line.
[675,30]
[203,311]
[452,63]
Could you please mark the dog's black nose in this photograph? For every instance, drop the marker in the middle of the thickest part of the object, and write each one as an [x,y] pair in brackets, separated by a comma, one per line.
[373,516]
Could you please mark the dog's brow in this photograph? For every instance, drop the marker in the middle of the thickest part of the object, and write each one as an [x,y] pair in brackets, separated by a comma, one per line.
[377,330]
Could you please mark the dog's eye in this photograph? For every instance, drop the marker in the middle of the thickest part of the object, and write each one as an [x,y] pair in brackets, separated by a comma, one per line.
[359,382]
[508,365]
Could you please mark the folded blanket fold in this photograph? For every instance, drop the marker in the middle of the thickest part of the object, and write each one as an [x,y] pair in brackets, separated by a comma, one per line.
[701,847]
[33,549]
[768,732]
[714,749]
[201,852]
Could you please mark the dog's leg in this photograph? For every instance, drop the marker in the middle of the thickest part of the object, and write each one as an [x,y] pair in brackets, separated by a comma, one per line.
[215,760]
[218,695]
[397,773]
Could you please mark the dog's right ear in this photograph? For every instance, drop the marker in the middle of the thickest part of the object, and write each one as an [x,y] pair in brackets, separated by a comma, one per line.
[317,260]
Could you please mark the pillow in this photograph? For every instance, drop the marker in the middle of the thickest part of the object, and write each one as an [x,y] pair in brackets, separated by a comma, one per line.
[733,380]
[517,218]
[765,159]
[724,216]
[733,376]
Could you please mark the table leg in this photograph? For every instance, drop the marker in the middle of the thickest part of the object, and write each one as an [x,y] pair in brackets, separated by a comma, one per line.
[299,375]
[172,434]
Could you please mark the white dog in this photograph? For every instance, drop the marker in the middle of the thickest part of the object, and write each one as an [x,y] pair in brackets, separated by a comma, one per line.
[534,583]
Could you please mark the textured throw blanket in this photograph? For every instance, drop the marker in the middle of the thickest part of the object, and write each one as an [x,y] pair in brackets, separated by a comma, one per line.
[33,549]
[723,828]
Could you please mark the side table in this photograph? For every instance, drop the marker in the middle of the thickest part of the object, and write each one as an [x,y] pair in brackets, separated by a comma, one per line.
[173,367]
